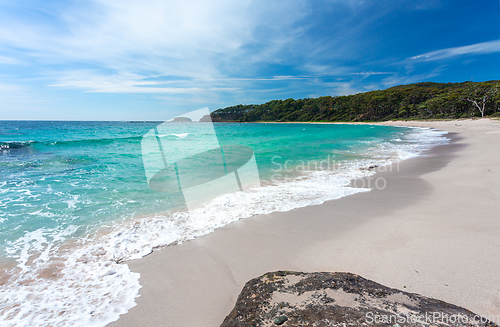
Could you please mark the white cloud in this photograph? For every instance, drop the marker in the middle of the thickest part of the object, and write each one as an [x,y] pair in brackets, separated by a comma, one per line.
[93,81]
[400,79]
[344,88]
[371,73]
[479,48]
[10,61]
[188,39]
[130,83]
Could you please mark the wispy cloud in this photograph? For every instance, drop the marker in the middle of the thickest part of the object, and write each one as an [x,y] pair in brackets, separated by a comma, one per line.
[132,83]
[189,39]
[478,48]
[222,52]
[93,81]
[187,45]
[170,47]
[345,88]
[10,61]
[410,77]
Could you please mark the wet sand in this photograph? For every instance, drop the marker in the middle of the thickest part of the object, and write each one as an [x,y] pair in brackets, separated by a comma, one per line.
[433,230]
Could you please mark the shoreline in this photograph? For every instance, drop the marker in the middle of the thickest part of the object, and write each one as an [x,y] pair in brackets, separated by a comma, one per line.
[383,122]
[407,236]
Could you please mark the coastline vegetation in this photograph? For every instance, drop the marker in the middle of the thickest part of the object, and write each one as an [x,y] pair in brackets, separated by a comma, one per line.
[426,100]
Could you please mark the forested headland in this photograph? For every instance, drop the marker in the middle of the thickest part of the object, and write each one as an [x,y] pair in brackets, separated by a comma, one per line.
[425,100]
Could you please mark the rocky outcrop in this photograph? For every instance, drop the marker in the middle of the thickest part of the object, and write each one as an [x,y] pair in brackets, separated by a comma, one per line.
[339,299]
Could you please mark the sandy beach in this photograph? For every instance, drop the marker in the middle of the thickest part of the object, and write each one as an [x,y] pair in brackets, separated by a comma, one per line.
[433,230]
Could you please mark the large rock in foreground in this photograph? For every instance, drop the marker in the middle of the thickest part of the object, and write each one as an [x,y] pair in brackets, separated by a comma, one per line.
[339,299]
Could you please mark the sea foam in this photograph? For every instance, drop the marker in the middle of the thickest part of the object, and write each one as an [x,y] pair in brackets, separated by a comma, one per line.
[60,280]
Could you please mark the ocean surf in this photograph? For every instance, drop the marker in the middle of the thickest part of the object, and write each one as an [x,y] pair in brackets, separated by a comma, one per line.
[75,204]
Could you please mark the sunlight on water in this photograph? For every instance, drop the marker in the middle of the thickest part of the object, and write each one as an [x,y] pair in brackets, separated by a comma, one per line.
[75,202]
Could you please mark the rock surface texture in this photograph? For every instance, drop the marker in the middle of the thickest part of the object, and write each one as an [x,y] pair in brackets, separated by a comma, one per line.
[339,299]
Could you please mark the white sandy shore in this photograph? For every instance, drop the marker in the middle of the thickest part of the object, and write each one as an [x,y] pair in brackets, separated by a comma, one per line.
[434,230]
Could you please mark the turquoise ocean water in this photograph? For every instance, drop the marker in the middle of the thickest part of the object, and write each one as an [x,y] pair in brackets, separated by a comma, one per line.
[75,203]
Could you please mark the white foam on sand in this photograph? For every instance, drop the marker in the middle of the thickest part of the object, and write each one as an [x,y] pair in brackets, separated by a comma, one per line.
[87,283]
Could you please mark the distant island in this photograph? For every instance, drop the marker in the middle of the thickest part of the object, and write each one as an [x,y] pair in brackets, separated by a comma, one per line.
[425,100]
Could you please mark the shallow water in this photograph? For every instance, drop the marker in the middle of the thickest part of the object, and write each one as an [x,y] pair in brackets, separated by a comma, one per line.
[75,202]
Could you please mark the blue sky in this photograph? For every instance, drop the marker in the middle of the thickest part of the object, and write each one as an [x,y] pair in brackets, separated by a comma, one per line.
[152,59]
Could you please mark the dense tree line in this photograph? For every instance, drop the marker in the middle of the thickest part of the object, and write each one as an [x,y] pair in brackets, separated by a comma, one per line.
[414,101]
